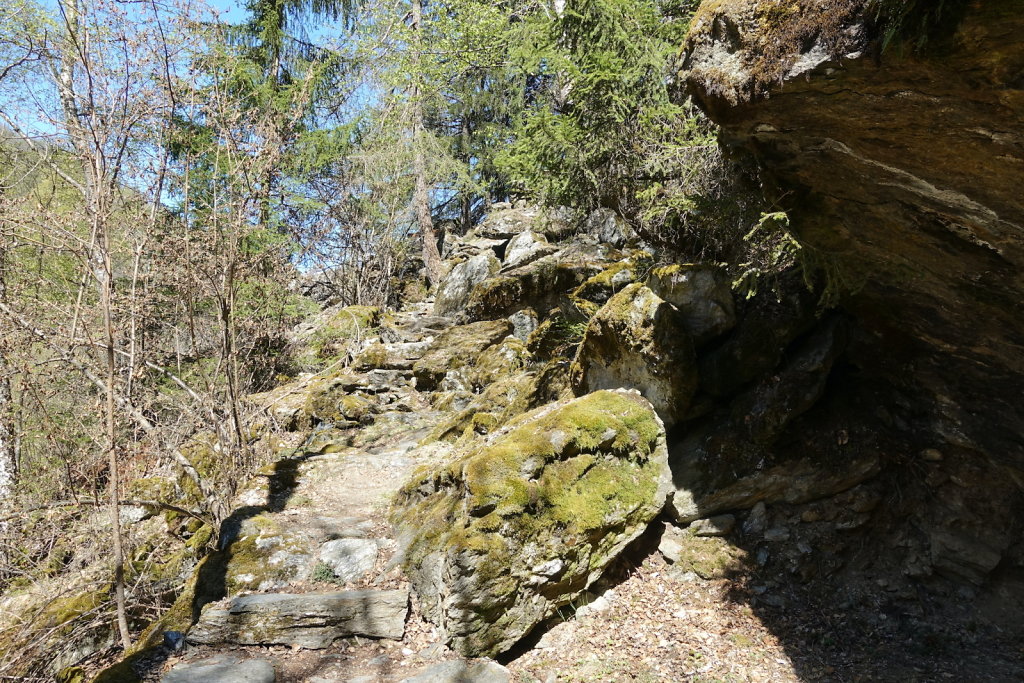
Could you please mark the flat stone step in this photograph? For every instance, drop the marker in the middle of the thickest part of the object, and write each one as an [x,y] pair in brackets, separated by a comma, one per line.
[222,669]
[462,671]
[310,620]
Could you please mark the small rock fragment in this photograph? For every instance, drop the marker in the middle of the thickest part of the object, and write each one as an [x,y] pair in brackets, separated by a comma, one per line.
[349,558]
[720,525]
[757,520]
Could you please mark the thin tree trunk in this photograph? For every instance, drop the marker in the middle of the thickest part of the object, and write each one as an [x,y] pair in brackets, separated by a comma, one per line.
[8,447]
[8,452]
[97,191]
[115,517]
[421,199]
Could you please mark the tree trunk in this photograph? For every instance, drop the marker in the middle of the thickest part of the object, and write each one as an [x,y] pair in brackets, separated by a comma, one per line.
[98,190]
[421,199]
[8,452]
[107,287]
[8,434]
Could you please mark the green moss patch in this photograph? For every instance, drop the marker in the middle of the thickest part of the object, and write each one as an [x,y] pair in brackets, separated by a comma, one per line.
[351,323]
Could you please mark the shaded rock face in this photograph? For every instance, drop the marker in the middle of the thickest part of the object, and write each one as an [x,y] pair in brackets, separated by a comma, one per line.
[902,169]
[727,462]
[495,541]
[907,168]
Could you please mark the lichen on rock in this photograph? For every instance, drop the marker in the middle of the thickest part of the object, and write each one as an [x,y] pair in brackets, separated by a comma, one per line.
[498,538]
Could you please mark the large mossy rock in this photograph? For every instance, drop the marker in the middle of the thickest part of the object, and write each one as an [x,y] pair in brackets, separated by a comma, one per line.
[456,348]
[502,535]
[639,341]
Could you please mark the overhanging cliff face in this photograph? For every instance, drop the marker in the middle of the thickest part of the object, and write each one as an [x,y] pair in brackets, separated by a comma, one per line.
[906,170]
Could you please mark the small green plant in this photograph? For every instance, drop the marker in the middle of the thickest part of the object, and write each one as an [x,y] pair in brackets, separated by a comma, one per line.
[773,249]
[322,573]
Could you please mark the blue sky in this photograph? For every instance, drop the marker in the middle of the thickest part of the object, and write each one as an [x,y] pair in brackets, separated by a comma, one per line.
[230,9]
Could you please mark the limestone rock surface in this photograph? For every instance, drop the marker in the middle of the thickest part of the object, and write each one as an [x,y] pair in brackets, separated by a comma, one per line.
[349,558]
[701,293]
[608,227]
[525,247]
[454,290]
[462,671]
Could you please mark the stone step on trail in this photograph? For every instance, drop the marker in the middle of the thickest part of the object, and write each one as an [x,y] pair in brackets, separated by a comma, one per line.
[223,668]
[308,620]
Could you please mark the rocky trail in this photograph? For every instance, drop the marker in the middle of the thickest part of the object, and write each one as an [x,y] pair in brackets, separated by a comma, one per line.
[442,499]
[314,592]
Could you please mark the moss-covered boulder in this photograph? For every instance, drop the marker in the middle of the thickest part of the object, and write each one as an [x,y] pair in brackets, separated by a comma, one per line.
[557,338]
[503,400]
[456,348]
[639,341]
[498,361]
[390,356]
[540,285]
[702,294]
[498,538]
[265,555]
[601,287]
[454,291]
